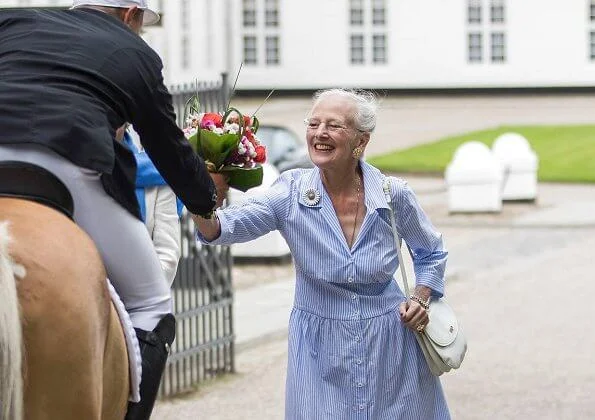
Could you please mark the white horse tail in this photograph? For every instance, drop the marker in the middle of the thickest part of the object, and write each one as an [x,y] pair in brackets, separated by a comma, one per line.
[11,380]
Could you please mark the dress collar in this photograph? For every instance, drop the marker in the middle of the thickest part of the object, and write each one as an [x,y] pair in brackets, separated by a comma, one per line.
[312,191]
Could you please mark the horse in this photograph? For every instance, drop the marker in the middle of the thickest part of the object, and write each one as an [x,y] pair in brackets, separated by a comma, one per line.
[63,352]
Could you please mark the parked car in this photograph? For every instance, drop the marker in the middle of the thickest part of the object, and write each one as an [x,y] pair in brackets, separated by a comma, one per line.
[285,150]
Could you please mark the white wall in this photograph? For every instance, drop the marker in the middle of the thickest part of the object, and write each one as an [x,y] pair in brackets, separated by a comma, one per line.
[546,45]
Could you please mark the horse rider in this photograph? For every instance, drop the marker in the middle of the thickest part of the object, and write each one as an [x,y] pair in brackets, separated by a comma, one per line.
[70,78]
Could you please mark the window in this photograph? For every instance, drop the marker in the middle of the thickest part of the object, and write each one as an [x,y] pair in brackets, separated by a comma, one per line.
[379,49]
[271,13]
[475,52]
[498,47]
[357,49]
[378,12]
[272,50]
[474,11]
[185,52]
[592,45]
[250,53]
[497,11]
[249,13]
[592,11]
[356,12]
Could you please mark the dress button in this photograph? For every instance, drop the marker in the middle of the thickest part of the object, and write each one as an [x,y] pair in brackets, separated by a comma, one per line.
[359,384]
[356,313]
[357,338]
[353,296]
[358,361]
[350,279]
[362,406]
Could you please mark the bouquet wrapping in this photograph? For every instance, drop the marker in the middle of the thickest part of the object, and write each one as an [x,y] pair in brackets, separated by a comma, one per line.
[228,144]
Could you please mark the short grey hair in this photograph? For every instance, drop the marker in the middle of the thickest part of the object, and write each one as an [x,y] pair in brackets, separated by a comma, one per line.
[365,103]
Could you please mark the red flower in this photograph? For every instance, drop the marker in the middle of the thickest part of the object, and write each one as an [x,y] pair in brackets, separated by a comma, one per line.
[261,154]
[250,136]
[217,119]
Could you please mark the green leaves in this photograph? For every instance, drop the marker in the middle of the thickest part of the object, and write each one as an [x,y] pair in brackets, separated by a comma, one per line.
[214,149]
[243,178]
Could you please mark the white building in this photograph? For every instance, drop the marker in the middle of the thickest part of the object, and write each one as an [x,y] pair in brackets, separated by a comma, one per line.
[386,44]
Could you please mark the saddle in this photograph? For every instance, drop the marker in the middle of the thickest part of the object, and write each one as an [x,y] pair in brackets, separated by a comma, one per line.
[31,182]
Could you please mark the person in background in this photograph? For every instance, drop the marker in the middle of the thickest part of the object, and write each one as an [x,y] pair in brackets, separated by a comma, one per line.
[353,353]
[69,79]
[159,207]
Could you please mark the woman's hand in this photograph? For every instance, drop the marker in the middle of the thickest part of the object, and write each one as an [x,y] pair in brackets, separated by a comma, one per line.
[413,315]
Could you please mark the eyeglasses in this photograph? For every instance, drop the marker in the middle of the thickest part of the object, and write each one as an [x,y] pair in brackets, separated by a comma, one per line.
[331,126]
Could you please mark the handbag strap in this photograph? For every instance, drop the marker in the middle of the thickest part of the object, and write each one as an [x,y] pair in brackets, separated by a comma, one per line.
[386,189]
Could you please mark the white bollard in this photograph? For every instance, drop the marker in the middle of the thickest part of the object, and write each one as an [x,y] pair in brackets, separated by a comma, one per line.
[520,165]
[474,180]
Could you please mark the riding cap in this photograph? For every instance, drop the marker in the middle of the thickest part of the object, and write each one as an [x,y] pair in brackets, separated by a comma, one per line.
[150,17]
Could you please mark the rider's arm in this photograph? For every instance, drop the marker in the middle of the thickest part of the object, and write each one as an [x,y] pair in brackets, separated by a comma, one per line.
[148,106]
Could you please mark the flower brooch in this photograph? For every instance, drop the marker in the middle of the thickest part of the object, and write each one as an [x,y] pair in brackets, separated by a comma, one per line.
[311,197]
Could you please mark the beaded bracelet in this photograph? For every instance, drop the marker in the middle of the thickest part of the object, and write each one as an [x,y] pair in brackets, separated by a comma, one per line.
[424,304]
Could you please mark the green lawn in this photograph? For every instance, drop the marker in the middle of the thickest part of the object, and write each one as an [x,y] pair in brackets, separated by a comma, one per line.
[566,153]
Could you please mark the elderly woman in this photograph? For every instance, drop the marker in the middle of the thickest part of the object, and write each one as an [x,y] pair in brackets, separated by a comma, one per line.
[352,348]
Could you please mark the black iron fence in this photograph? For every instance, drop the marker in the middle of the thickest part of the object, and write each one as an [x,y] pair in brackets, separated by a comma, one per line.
[202,290]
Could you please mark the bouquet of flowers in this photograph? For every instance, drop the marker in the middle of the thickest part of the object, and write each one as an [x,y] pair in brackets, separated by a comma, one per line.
[227,142]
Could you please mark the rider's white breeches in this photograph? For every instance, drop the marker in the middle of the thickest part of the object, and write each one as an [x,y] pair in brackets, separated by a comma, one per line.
[123,241]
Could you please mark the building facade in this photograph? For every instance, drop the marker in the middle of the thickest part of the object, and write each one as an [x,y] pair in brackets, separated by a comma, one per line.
[385,44]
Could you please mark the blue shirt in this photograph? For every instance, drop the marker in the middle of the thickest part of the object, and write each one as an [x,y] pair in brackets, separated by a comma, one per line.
[147,175]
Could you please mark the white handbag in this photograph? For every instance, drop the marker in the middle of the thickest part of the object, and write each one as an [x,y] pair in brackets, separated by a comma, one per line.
[442,341]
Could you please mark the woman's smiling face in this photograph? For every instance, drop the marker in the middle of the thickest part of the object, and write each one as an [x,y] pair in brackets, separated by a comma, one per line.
[331,132]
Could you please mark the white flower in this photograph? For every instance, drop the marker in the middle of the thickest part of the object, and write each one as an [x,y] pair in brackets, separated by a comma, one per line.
[232,127]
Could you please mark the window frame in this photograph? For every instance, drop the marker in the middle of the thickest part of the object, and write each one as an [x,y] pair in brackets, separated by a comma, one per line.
[276,60]
[360,58]
[474,12]
[379,58]
[494,46]
[245,56]
[271,13]
[478,47]
[249,15]
[497,12]
[356,13]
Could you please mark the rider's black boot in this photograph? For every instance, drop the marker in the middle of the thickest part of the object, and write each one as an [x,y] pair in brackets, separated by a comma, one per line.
[154,349]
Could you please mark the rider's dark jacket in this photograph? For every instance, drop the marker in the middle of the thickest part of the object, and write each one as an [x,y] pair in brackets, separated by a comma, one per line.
[70,78]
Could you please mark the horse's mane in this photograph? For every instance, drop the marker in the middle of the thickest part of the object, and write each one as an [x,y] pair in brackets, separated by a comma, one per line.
[11,382]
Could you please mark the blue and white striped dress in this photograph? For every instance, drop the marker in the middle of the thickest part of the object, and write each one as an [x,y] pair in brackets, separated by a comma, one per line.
[349,355]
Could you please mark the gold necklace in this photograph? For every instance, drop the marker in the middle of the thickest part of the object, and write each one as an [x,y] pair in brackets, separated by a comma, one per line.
[358,185]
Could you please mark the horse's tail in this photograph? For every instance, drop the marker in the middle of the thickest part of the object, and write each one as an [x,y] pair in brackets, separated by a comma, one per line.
[11,380]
